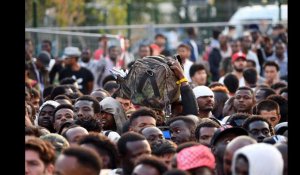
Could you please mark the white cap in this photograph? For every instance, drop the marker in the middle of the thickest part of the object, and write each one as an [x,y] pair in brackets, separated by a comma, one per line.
[71,51]
[201,91]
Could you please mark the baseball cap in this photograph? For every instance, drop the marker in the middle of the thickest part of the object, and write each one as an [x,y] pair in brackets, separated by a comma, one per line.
[44,57]
[71,51]
[226,129]
[195,157]
[201,91]
[280,128]
[238,55]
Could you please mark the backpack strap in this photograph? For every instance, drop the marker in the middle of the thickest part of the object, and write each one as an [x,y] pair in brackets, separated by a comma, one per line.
[149,74]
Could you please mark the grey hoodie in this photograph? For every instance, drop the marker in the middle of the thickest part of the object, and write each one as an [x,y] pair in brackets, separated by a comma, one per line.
[112,106]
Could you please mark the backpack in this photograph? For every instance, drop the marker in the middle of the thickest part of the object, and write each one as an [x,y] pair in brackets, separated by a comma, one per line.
[151,82]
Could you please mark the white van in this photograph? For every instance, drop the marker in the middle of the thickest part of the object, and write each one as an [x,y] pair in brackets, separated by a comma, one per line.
[257,14]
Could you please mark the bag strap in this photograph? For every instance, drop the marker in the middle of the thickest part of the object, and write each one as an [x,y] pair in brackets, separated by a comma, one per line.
[149,74]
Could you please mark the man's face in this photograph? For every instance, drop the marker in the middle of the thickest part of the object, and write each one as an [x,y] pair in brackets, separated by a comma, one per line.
[239,64]
[99,95]
[160,41]
[153,134]
[107,120]
[136,149]
[144,51]
[206,103]
[34,165]
[61,116]
[247,42]
[83,109]
[228,155]
[143,169]
[184,53]
[126,103]
[272,116]
[68,165]
[36,103]
[69,61]
[235,47]
[200,77]
[142,122]
[180,132]
[259,130]
[279,50]
[74,134]
[260,95]
[45,118]
[114,53]
[243,101]
[46,47]
[205,135]
[167,158]
[85,56]
[271,73]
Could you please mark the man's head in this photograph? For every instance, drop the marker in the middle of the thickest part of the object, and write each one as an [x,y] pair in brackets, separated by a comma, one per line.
[39,157]
[283,106]
[86,55]
[246,41]
[125,102]
[74,133]
[63,99]
[269,110]
[46,115]
[106,149]
[132,145]
[205,131]
[250,75]
[160,40]
[251,64]
[149,165]
[205,98]
[235,46]
[47,45]
[43,60]
[165,150]
[198,74]
[263,93]
[142,118]
[100,94]
[258,127]
[234,145]
[238,61]
[144,50]
[244,100]
[271,71]
[231,81]
[71,55]
[62,114]
[114,52]
[77,161]
[182,129]
[237,119]
[184,51]
[279,49]
[152,134]
[87,107]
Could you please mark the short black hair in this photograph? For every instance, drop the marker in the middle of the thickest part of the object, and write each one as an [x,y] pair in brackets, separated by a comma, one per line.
[254,118]
[110,85]
[285,89]
[58,90]
[103,145]
[144,111]
[176,172]
[246,88]
[237,119]
[67,80]
[48,42]
[107,79]
[96,105]
[252,62]
[283,105]
[162,148]
[186,145]
[190,122]
[126,126]
[267,105]
[63,97]
[268,91]
[271,63]
[277,85]
[47,91]
[206,123]
[250,75]
[128,137]
[196,67]
[85,157]
[90,124]
[152,161]
[67,124]
[184,46]
[159,35]
[61,107]
[231,82]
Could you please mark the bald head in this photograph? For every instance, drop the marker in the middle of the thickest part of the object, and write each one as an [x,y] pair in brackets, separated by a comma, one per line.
[73,134]
[233,146]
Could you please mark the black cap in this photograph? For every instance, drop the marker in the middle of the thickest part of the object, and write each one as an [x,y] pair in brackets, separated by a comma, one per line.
[44,57]
[225,130]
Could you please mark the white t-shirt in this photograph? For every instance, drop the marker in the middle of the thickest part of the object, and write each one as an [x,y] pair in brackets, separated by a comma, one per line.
[187,65]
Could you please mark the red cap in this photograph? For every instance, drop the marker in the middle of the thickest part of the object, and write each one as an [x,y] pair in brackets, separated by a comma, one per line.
[238,55]
[195,157]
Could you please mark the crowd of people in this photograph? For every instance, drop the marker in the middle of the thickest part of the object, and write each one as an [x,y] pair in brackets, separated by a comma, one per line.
[231,117]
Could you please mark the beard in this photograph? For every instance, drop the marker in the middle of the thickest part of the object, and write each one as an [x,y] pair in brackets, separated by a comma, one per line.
[238,69]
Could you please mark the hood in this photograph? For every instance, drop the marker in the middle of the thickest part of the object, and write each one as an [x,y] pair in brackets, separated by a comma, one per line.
[112,106]
[263,159]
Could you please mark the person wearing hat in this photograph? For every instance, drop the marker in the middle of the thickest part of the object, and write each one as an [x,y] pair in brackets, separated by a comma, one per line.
[83,76]
[239,63]
[42,64]
[205,100]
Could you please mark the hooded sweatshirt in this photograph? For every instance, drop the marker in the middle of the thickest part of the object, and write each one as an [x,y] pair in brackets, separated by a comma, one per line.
[112,106]
[263,159]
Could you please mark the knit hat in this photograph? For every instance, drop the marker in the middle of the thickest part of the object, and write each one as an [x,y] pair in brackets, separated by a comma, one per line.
[195,157]
[201,91]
